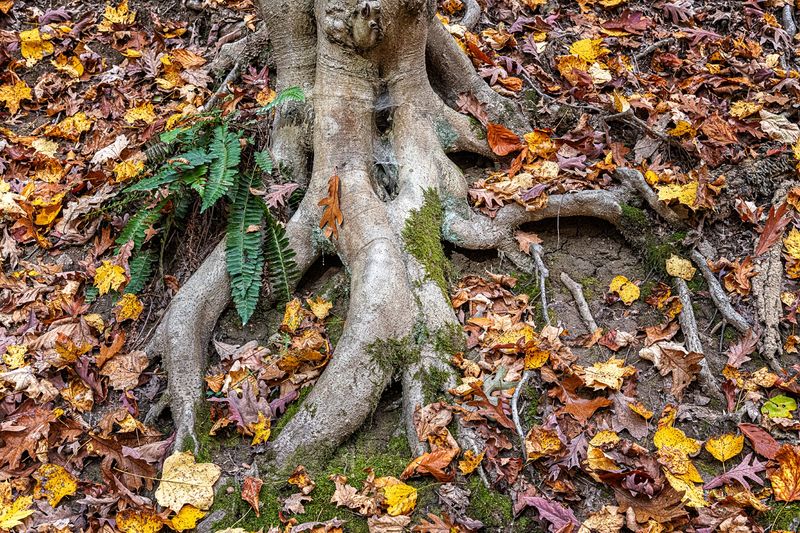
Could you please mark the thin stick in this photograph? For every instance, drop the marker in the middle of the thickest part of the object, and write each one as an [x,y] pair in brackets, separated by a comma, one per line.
[718,295]
[580,301]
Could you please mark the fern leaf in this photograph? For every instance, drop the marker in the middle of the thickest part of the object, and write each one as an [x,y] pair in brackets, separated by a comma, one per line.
[141,268]
[165,176]
[290,93]
[264,161]
[226,152]
[137,225]
[244,254]
[283,271]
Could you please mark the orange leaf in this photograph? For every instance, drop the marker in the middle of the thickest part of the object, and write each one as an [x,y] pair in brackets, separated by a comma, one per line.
[502,140]
[331,215]
[786,480]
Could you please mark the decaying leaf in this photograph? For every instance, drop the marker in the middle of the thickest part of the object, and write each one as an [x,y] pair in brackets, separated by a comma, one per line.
[331,213]
[185,482]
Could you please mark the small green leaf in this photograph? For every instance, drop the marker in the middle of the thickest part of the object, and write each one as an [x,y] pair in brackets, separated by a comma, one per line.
[780,406]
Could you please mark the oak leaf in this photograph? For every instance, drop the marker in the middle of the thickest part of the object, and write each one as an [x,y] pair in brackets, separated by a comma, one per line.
[331,214]
[740,473]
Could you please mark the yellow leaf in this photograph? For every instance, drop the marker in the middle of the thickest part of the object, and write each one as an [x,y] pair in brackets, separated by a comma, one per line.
[621,105]
[15,356]
[127,169]
[725,446]
[683,128]
[185,482]
[692,494]
[680,267]
[11,95]
[589,50]
[128,308]
[743,109]
[139,520]
[118,15]
[640,409]
[400,498]
[604,437]
[672,437]
[535,357]
[72,67]
[71,127]
[319,306]
[5,7]
[47,209]
[45,147]
[792,243]
[570,67]
[541,442]
[786,479]
[186,518]
[261,429]
[470,461]
[109,277]
[53,482]
[625,289]
[685,194]
[540,143]
[608,375]
[608,4]
[13,513]
[143,112]
[293,316]
[34,46]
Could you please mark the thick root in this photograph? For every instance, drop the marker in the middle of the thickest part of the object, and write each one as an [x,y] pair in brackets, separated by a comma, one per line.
[708,382]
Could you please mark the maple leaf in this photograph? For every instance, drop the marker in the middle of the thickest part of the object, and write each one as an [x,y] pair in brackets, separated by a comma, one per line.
[435,525]
[525,240]
[673,358]
[185,482]
[13,510]
[777,220]
[11,95]
[21,434]
[331,214]
[53,482]
[786,479]
[740,473]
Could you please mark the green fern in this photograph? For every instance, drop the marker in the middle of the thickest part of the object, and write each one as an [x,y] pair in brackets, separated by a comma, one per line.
[290,93]
[136,228]
[141,267]
[264,161]
[223,169]
[244,254]
[283,271]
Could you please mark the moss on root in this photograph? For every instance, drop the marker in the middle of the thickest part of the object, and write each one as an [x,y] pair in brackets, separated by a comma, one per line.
[394,353]
[423,239]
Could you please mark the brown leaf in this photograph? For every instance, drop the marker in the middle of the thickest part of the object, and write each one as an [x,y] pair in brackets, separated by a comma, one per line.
[502,140]
[331,214]
[526,239]
[663,508]
[123,370]
[773,228]
[294,503]
[673,358]
[738,353]
[434,463]
[250,490]
[388,523]
[786,480]
[761,441]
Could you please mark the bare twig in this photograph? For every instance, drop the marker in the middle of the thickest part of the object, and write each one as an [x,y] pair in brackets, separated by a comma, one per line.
[223,87]
[653,47]
[580,301]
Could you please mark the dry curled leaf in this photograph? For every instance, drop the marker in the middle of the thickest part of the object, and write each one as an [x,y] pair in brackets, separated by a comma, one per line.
[331,214]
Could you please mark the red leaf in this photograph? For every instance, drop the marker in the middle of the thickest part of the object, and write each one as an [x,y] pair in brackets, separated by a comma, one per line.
[773,228]
[762,442]
[502,140]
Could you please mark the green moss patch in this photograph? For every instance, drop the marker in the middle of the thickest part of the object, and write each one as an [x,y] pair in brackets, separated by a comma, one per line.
[422,235]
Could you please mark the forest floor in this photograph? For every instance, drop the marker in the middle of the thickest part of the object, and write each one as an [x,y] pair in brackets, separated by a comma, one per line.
[698,96]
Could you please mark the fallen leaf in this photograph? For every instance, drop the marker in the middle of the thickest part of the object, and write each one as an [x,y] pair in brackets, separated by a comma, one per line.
[331,214]
[470,462]
[186,519]
[400,499]
[786,479]
[109,277]
[627,291]
[680,268]
[185,482]
[780,406]
[139,520]
[761,441]
[251,488]
[12,95]
[725,446]
[53,482]
[502,140]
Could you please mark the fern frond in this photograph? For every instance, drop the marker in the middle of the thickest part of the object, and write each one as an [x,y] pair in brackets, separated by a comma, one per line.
[283,271]
[290,93]
[264,161]
[244,254]
[137,225]
[225,151]
[141,267]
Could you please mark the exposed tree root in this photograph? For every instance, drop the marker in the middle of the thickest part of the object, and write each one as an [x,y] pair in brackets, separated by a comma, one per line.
[708,383]
[767,291]
[718,295]
[580,301]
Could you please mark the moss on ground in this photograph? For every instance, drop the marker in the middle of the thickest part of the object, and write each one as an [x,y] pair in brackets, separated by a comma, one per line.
[490,507]
[352,459]
[782,516]
[423,239]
